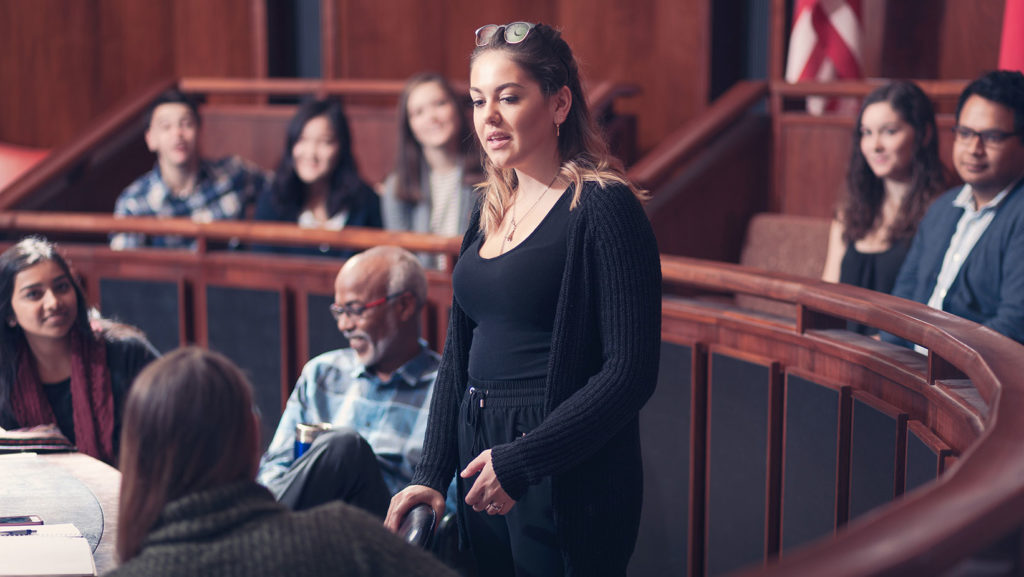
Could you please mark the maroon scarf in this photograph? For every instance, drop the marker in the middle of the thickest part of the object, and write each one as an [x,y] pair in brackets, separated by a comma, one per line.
[92,399]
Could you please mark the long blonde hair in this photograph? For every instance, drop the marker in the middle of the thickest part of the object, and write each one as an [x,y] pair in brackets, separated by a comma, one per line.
[547,58]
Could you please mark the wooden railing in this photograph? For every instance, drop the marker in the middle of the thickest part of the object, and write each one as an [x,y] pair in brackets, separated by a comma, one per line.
[970,506]
[99,141]
[963,399]
[695,136]
[246,232]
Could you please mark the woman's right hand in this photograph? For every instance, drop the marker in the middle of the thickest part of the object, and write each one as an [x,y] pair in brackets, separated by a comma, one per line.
[409,497]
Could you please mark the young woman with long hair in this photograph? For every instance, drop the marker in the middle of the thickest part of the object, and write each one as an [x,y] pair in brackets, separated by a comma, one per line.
[554,337]
[893,176]
[436,162]
[317,183]
[57,366]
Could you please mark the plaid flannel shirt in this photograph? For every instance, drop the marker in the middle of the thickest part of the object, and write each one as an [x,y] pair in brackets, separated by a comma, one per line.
[392,416]
[224,189]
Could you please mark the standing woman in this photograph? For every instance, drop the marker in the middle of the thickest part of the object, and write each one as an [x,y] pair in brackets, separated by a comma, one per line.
[317,184]
[554,335]
[56,366]
[894,174]
[436,165]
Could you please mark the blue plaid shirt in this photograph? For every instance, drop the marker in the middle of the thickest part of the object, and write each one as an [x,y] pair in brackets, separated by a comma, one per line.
[223,190]
[392,416]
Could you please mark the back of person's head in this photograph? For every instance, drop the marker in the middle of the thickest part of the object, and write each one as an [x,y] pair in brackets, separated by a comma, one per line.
[343,178]
[409,159]
[27,253]
[866,190]
[189,425]
[1005,87]
[173,96]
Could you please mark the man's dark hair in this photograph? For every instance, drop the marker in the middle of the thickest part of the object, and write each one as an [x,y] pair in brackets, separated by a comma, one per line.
[1004,87]
[173,96]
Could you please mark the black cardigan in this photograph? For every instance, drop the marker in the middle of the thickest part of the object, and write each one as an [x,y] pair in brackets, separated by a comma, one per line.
[603,368]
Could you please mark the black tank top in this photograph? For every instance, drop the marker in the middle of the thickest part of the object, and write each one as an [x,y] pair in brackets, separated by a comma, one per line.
[872,270]
[512,299]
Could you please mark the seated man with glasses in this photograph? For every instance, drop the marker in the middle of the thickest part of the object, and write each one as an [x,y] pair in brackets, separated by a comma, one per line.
[374,394]
[967,257]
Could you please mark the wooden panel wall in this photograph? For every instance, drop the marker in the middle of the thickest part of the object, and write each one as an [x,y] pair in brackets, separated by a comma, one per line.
[67,62]
[635,42]
[931,38]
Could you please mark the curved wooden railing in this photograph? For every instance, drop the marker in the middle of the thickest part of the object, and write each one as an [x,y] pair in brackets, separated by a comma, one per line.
[967,508]
[967,391]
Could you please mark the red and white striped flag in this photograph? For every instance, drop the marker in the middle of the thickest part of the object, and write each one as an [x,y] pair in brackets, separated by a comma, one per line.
[824,44]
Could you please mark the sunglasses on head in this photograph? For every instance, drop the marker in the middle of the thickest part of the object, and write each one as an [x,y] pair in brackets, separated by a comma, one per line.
[514,33]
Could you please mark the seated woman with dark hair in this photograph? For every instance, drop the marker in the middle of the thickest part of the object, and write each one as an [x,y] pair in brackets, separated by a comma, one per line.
[894,174]
[190,504]
[317,184]
[55,365]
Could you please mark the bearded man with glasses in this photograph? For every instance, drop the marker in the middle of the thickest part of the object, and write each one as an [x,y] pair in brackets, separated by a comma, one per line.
[968,255]
[374,394]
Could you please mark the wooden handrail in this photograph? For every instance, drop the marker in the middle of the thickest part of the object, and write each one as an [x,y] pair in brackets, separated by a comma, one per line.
[291,86]
[272,233]
[603,94]
[938,89]
[968,507]
[694,136]
[64,159]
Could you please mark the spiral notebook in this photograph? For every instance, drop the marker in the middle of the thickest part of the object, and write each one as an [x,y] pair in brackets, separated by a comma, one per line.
[47,550]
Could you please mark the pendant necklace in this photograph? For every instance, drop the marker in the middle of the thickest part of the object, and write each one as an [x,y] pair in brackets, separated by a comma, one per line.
[515,222]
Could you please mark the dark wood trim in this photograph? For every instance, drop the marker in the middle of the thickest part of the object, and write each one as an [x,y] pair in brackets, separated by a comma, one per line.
[773,496]
[328,39]
[937,89]
[699,375]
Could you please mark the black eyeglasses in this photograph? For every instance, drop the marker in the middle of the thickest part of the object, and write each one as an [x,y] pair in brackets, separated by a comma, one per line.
[989,138]
[514,33]
[356,309]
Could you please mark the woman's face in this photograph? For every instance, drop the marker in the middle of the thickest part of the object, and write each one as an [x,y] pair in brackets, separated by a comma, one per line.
[513,119]
[316,151]
[44,301]
[886,141]
[433,117]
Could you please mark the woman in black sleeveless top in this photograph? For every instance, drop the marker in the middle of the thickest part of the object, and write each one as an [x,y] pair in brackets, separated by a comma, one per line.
[894,174]
[554,336]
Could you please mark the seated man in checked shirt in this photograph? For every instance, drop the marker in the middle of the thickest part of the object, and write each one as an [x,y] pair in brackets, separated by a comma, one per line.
[375,393]
[182,183]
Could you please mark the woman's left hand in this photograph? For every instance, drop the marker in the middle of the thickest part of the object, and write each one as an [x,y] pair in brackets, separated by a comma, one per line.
[486,493]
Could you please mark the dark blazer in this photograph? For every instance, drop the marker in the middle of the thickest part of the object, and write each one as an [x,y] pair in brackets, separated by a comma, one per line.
[989,289]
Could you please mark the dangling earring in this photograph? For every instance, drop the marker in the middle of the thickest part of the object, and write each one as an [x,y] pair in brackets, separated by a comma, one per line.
[558,130]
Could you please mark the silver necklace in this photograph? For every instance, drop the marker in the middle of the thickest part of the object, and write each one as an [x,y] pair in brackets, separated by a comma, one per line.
[515,221]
